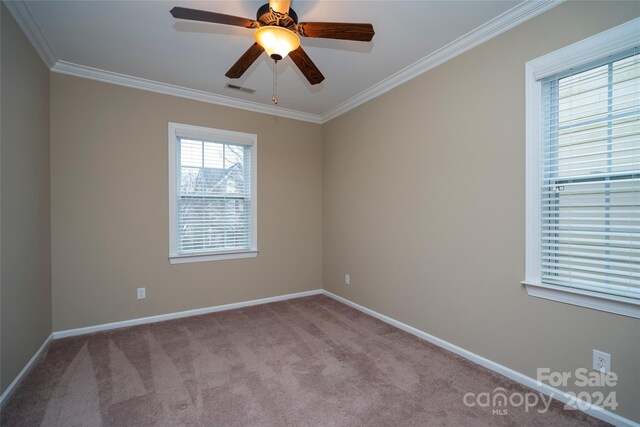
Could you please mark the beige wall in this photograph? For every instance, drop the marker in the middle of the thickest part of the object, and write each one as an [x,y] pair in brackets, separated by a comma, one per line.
[418,194]
[109,212]
[25,261]
[424,207]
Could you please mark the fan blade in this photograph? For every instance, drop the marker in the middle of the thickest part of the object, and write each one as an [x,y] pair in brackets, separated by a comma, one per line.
[280,6]
[216,18]
[337,30]
[245,61]
[306,65]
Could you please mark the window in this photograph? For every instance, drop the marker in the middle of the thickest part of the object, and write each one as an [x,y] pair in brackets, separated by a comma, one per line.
[212,200]
[583,173]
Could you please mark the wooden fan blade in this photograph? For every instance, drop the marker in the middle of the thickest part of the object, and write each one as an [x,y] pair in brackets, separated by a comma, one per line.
[306,65]
[245,61]
[216,18]
[337,30]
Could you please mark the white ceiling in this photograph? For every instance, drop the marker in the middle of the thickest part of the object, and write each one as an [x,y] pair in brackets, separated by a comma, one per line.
[141,39]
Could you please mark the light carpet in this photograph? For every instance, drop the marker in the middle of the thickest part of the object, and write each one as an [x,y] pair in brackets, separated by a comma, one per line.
[305,362]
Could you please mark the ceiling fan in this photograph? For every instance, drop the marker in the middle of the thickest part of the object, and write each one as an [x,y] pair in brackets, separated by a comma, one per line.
[277,33]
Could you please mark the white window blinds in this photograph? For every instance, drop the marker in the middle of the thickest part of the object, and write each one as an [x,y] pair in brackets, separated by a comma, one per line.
[213,196]
[590,171]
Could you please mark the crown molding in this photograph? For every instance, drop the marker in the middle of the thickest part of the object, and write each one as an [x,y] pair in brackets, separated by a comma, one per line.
[500,24]
[27,23]
[509,19]
[30,27]
[76,70]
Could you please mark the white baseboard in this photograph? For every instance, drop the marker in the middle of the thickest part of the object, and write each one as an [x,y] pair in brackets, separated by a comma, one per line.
[557,394]
[140,321]
[594,411]
[178,315]
[7,393]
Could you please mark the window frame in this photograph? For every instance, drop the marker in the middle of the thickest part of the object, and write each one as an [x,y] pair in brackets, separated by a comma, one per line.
[178,130]
[607,43]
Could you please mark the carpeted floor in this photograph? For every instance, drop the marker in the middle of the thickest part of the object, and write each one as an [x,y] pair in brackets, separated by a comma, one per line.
[304,362]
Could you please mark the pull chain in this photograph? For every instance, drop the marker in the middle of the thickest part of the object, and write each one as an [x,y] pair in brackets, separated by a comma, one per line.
[274,98]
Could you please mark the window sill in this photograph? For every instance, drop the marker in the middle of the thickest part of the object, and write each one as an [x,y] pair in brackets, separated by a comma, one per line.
[214,256]
[609,303]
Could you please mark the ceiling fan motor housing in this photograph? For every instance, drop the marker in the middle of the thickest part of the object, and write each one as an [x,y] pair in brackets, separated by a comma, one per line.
[267,16]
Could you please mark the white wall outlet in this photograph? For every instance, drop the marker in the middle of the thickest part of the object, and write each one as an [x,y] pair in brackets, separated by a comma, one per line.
[601,361]
[142,293]
[347,279]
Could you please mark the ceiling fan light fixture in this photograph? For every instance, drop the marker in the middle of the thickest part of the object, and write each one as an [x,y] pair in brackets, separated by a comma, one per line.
[277,41]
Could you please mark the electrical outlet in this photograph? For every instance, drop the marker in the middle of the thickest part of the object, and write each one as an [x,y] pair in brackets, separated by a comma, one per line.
[142,293]
[601,361]
[347,279]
